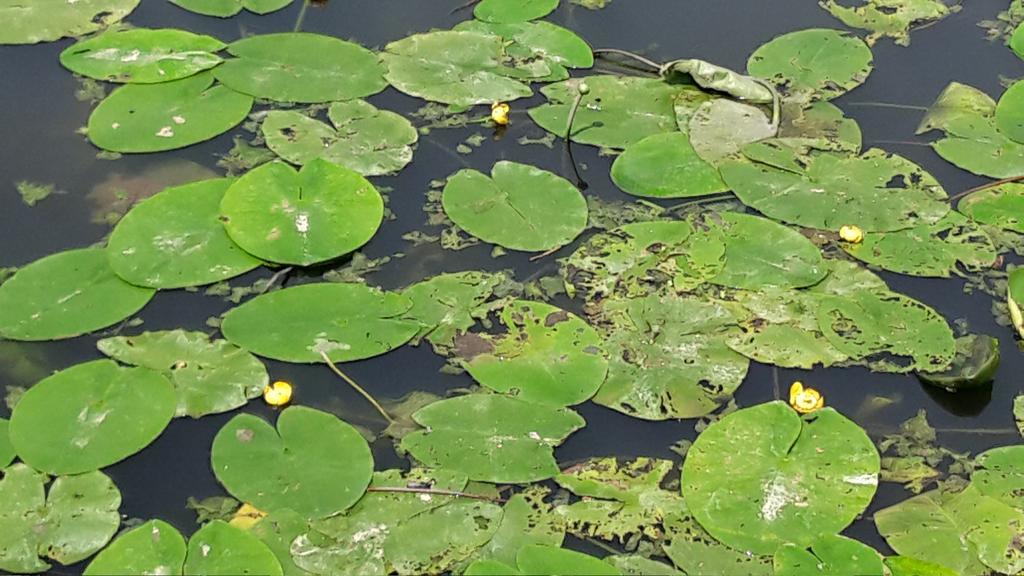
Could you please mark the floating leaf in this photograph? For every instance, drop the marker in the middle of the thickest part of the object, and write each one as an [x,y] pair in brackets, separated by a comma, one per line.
[49,20]
[813,64]
[999,473]
[975,364]
[455,530]
[1014,299]
[301,67]
[519,206]
[66,294]
[7,453]
[228,8]
[302,217]
[617,112]
[176,239]
[548,560]
[345,321]
[513,10]
[637,565]
[665,166]
[154,547]
[70,523]
[821,121]
[929,250]
[526,519]
[761,253]
[892,18]
[763,476]
[142,56]
[546,355]
[836,555]
[370,141]
[448,304]
[904,566]
[1001,206]
[1010,113]
[722,127]
[314,463]
[876,191]
[278,530]
[694,551]
[491,438]
[90,416]
[209,376]
[158,117]
[221,549]
[458,68]
[529,42]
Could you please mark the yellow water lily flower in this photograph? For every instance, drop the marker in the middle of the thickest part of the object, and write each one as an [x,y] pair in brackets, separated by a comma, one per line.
[247,516]
[851,234]
[277,394]
[805,400]
[499,113]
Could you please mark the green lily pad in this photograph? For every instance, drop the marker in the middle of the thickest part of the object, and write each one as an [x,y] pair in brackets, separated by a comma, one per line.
[49,20]
[929,250]
[513,10]
[302,217]
[721,127]
[228,8]
[892,18]
[637,565]
[219,549]
[1014,299]
[519,206]
[814,64]
[1017,41]
[526,519]
[549,560]
[154,547]
[143,56]
[877,191]
[209,376]
[831,555]
[761,253]
[314,463]
[301,67]
[65,295]
[695,551]
[449,304]
[764,476]
[70,523]
[166,116]
[668,357]
[345,321]
[370,141]
[1001,206]
[1010,113]
[491,438]
[529,42]
[278,530]
[975,364]
[617,112]
[176,239]
[999,474]
[904,566]
[546,355]
[665,166]
[90,416]
[965,531]
[7,453]
[455,530]
[452,67]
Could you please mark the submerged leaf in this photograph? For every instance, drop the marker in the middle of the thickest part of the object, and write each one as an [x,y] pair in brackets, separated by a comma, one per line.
[722,127]
[528,43]
[975,364]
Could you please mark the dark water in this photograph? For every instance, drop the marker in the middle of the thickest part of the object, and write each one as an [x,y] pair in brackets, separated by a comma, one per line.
[39,116]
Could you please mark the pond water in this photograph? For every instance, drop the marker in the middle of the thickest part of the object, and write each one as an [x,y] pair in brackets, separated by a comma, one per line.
[41,115]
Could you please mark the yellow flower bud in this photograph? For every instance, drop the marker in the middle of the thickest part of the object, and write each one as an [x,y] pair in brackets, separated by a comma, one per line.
[247,516]
[277,394]
[851,234]
[805,400]
[499,113]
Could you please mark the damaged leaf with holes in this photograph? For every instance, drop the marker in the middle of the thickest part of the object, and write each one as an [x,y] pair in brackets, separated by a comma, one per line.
[665,166]
[890,18]
[1001,206]
[530,42]
[49,20]
[448,305]
[813,64]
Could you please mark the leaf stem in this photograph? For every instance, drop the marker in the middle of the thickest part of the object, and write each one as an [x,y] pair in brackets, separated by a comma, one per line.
[889,105]
[568,137]
[302,16]
[433,492]
[986,187]
[980,431]
[358,388]
[628,54]
[273,280]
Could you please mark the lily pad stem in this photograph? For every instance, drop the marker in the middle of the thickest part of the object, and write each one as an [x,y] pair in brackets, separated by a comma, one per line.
[358,388]
[628,54]
[433,492]
[302,16]
[581,91]
[273,279]
[889,105]
[536,257]
[986,187]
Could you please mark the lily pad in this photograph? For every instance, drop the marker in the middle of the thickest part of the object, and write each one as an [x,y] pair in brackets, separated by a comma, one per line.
[449,304]
[143,56]
[877,191]
[519,206]
[75,519]
[764,476]
[930,250]
[1001,206]
[228,8]
[549,560]
[665,166]
[526,519]
[491,438]
[456,529]
[345,321]
[209,376]
[892,18]
[301,67]
[370,141]
[219,549]
[302,217]
[531,42]
[176,239]
[154,547]
[547,355]
[814,64]
[1010,113]
[314,463]
[831,555]
[1015,299]
[7,453]
[721,127]
[49,20]
[761,253]
[975,364]
[513,10]
[617,112]
[90,416]
[65,295]
[904,566]
[452,67]
[999,473]
[166,116]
